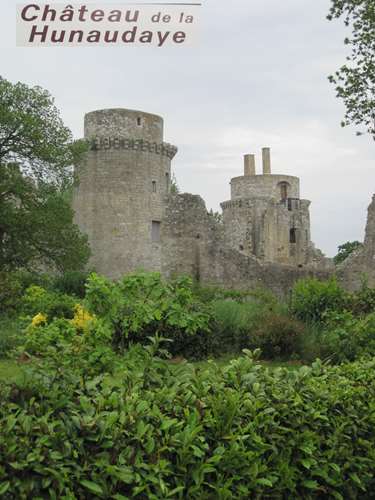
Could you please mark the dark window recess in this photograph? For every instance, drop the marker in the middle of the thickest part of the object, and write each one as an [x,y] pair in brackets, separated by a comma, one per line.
[139,121]
[284,190]
[290,204]
[154,186]
[241,248]
[155,231]
[198,236]
[293,235]
[167,181]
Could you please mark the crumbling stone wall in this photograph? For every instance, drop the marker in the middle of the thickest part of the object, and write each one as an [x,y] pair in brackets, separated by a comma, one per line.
[360,265]
[194,243]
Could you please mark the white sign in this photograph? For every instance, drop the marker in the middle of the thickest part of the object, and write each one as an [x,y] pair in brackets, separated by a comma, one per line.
[90,25]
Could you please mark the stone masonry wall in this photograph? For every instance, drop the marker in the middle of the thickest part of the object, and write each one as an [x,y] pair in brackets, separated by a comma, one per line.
[194,243]
[361,264]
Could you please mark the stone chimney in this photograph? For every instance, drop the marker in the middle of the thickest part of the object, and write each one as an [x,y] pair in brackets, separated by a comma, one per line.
[266,153]
[249,165]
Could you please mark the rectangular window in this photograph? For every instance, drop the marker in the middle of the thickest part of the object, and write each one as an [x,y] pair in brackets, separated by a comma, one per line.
[155,231]
[154,186]
[293,235]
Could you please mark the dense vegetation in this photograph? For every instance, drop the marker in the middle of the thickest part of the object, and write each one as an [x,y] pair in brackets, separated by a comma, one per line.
[103,411]
[37,153]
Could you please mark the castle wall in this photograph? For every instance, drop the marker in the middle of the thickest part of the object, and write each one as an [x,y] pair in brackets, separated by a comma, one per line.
[360,266]
[191,238]
[267,186]
[194,243]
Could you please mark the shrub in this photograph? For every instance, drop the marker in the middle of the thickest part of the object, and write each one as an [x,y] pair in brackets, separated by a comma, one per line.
[72,283]
[172,432]
[10,292]
[230,324]
[312,298]
[346,338]
[234,323]
[41,338]
[52,304]
[10,336]
[143,305]
[342,337]
[363,301]
[278,337]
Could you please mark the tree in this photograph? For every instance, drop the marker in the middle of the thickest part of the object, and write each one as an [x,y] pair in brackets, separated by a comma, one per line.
[37,153]
[345,250]
[355,80]
[174,185]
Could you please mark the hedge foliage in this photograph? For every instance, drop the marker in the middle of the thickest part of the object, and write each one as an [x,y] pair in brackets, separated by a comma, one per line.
[162,431]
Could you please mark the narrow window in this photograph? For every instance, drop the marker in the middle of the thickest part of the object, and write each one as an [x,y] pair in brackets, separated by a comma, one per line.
[154,186]
[155,231]
[284,190]
[167,181]
[293,235]
[139,121]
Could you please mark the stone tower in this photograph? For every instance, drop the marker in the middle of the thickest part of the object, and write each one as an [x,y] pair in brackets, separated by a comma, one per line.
[266,217]
[122,190]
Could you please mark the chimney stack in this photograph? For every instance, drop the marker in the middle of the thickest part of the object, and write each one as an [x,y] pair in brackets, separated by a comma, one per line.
[249,165]
[266,153]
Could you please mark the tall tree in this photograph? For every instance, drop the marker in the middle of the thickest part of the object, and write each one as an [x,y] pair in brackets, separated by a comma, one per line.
[37,153]
[355,80]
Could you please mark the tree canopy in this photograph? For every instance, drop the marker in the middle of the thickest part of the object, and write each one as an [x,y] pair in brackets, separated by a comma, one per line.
[37,153]
[345,250]
[355,80]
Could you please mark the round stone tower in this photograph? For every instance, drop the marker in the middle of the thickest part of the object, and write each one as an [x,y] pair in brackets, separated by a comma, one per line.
[265,216]
[121,190]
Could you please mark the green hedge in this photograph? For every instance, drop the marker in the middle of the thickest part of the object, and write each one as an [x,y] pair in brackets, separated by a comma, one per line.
[161,431]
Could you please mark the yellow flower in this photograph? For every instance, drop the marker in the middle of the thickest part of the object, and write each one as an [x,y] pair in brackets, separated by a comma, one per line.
[82,318]
[39,319]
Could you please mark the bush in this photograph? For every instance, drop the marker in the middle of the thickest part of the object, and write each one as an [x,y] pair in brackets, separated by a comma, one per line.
[234,323]
[363,301]
[143,305]
[72,283]
[172,432]
[10,292]
[52,304]
[278,337]
[13,286]
[10,336]
[231,322]
[346,338]
[312,298]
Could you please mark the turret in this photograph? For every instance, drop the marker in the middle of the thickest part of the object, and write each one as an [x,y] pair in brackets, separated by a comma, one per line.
[122,189]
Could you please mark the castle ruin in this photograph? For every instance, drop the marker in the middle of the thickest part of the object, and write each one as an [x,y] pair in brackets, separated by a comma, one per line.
[123,202]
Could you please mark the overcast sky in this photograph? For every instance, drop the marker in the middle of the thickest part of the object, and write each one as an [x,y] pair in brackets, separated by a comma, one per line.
[258,77]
